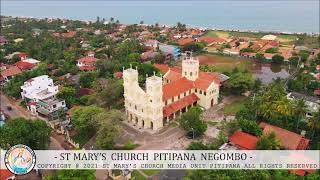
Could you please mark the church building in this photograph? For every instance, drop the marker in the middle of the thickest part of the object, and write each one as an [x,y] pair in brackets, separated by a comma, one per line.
[169,96]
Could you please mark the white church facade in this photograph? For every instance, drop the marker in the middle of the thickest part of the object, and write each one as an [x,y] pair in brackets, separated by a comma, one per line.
[169,96]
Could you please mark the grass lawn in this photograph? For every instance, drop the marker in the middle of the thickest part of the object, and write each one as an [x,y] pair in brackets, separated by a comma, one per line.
[225,63]
[221,34]
[233,108]
[151,172]
[82,138]
[136,175]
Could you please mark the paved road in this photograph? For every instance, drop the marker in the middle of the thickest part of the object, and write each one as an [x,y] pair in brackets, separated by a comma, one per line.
[54,144]
[17,111]
[168,138]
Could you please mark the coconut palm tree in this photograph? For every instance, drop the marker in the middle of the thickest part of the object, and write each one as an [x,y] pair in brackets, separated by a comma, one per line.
[314,123]
[300,110]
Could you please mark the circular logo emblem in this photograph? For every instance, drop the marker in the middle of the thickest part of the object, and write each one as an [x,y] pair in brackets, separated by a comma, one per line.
[20,159]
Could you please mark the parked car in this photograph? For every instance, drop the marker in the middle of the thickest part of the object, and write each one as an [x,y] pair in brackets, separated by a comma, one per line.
[9,108]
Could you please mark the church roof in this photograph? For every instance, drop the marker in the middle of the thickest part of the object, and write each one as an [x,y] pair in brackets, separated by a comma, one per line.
[175,88]
[180,104]
[180,84]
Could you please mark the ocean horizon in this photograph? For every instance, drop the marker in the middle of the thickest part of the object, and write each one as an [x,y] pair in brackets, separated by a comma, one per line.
[296,16]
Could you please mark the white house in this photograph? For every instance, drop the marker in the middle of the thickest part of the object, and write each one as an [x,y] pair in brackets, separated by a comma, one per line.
[48,108]
[313,103]
[39,88]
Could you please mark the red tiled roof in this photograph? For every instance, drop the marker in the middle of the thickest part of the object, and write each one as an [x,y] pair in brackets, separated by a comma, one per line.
[248,54]
[211,40]
[3,40]
[184,41]
[175,88]
[24,65]
[3,65]
[118,74]
[317,92]
[11,71]
[182,103]
[202,82]
[162,67]
[244,140]
[87,68]
[273,43]
[213,76]
[172,75]
[289,140]
[5,174]
[88,60]
[67,34]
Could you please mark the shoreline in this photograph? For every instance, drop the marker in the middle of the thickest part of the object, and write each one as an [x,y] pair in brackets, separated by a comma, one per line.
[170,26]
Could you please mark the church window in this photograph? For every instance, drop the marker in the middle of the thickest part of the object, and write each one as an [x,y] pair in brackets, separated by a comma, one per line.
[205,93]
[200,91]
[196,90]
[190,73]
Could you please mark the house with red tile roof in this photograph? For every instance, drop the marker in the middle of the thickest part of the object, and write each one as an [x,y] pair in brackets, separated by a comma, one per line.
[184,41]
[6,175]
[21,55]
[87,63]
[65,35]
[288,140]
[211,40]
[3,41]
[10,72]
[169,96]
[243,141]
[25,66]
[118,74]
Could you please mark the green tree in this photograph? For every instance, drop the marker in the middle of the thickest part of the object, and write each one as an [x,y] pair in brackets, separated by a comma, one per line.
[248,49]
[260,57]
[194,47]
[76,174]
[192,122]
[87,79]
[239,83]
[15,59]
[109,97]
[69,95]
[250,127]
[300,111]
[268,142]
[197,146]
[271,50]
[62,114]
[109,130]
[33,133]
[278,59]
[83,118]
[314,123]
[304,55]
